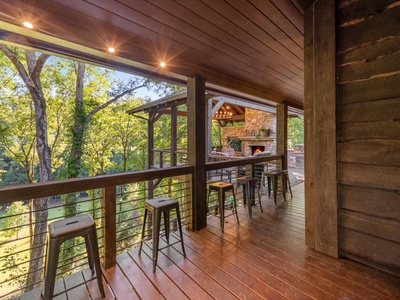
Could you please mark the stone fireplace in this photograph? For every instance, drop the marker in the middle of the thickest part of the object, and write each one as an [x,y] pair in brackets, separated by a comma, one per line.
[248,135]
[256,149]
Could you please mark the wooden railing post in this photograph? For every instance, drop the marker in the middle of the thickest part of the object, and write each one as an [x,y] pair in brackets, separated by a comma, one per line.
[108,199]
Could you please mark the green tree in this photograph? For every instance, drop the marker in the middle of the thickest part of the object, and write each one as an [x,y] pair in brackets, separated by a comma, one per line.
[295,131]
[29,67]
[15,218]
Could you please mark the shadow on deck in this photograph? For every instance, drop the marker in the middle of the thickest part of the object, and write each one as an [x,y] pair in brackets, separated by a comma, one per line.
[262,258]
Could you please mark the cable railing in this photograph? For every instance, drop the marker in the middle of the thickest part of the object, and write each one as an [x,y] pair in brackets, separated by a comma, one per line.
[116,202]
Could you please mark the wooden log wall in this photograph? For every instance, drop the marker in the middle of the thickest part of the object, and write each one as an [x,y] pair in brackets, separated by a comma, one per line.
[368,116]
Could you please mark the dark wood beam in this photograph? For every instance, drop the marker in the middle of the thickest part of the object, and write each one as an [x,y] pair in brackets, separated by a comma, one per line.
[197,120]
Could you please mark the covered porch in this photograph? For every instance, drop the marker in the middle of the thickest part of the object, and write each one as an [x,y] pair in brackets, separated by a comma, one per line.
[263,258]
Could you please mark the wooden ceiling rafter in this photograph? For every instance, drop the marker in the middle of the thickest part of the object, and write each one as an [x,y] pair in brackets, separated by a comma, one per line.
[253,47]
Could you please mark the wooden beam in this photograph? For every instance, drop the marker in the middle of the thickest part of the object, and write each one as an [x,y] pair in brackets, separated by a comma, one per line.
[168,112]
[281,133]
[108,199]
[174,128]
[197,120]
[245,103]
[320,114]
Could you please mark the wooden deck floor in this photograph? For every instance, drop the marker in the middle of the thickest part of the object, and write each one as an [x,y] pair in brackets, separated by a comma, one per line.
[262,258]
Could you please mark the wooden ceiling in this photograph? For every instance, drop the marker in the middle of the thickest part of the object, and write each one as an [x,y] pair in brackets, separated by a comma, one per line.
[253,47]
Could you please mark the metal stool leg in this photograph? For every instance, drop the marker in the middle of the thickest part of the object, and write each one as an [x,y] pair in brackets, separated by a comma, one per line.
[156,236]
[178,216]
[94,250]
[166,225]
[143,229]
[51,268]
[235,205]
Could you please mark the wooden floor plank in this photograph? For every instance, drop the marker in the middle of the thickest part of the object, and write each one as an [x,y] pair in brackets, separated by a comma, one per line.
[119,284]
[161,281]
[213,288]
[76,287]
[138,279]
[261,258]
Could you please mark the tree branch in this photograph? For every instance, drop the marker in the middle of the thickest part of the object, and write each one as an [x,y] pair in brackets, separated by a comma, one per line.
[101,107]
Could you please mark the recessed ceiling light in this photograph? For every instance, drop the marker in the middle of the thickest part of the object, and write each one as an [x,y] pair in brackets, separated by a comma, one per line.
[111,50]
[28,25]
[162,64]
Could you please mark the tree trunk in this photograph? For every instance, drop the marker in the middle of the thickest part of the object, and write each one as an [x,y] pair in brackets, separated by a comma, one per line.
[31,78]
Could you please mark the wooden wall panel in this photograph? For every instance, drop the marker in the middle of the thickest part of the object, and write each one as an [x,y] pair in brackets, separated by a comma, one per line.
[384,204]
[369,249]
[377,227]
[368,111]
[381,21]
[382,177]
[373,89]
[368,138]
[372,152]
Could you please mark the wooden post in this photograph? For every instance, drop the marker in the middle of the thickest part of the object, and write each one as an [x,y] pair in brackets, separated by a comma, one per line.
[150,150]
[197,124]
[209,125]
[174,129]
[108,199]
[281,133]
[320,128]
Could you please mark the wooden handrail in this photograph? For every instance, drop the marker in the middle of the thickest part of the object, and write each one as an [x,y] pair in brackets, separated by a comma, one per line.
[58,187]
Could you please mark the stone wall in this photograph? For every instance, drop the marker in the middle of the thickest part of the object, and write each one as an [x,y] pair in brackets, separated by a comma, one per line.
[249,134]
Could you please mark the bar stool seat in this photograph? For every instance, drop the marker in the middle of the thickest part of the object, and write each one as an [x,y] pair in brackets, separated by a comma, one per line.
[249,186]
[158,206]
[62,230]
[221,188]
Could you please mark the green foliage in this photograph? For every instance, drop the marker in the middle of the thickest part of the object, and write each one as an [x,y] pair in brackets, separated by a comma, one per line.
[15,218]
[13,265]
[295,131]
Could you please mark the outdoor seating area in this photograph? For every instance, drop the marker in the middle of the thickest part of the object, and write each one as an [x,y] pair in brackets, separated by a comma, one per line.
[260,258]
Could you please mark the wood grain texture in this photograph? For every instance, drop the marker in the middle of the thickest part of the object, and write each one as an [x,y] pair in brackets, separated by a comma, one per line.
[358,10]
[382,177]
[386,130]
[373,89]
[370,248]
[370,201]
[381,228]
[381,22]
[370,68]
[370,111]
[324,137]
[370,152]
[309,126]
[370,51]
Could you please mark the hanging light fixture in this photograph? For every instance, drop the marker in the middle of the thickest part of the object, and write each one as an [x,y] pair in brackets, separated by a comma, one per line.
[223,114]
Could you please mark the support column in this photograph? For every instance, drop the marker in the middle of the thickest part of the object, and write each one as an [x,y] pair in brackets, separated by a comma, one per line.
[281,132]
[197,125]
[320,128]
[174,129]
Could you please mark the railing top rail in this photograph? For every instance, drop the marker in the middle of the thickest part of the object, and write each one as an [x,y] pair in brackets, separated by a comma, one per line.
[240,161]
[58,187]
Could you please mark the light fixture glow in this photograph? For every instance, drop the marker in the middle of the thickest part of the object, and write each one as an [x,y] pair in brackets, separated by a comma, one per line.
[162,64]
[111,50]
[27,25]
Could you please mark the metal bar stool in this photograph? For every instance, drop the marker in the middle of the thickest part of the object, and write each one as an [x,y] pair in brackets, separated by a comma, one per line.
[249,186]
[62,230]
[158,206]
[272,178]
[221,188]
[286,182]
